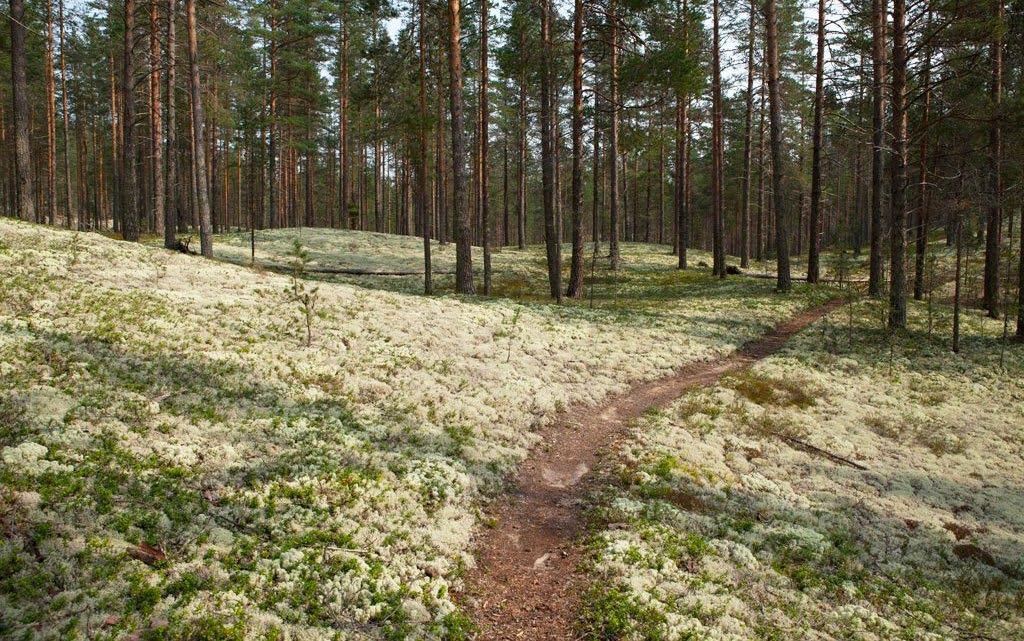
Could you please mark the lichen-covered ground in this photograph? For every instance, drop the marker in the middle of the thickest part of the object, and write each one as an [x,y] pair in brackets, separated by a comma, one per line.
[740,513]
[176,462]
[648,277]
[335,248]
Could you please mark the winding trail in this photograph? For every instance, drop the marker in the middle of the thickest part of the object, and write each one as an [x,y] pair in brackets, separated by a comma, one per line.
[527,583]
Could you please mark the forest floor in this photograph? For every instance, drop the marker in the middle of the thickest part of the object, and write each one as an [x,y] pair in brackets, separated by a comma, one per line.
[181,458]
[855,485]
[528,583]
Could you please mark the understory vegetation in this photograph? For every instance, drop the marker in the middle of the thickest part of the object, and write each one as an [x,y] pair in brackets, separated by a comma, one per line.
[425,320]
[858,485]
[182,460]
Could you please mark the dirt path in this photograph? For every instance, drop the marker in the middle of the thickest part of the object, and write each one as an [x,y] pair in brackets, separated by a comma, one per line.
[527,584]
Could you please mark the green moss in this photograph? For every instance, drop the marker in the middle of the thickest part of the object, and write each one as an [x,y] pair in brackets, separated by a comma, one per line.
[610,614]
[684,546]
[188,584]
[765,390]
[143,595]
[460,436]
[665,467]
[206,628]
[455,626]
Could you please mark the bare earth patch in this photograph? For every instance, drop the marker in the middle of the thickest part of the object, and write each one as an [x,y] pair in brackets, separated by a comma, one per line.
[528,582]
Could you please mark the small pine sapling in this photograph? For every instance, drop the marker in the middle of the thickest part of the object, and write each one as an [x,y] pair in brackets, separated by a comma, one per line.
[890,335]
[930,265]
[300,292]
[958,283]
[1007,295]
[512,330]
[74,250]
[842,263]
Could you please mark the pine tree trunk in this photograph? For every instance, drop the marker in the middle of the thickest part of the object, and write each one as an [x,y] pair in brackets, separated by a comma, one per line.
[521,168]
[682,240]
[156,115]
[69,203]
[683,179]
[440,166]
[51,121]
[598,177]
[210,140]
[378,169]
[1020,281]
[814,229]
[115,139]
[923,196]
[199,160]
[556,147]
[485,167]
[576,272]
[717,215]
[661,181]
[474,163]
[748,133]
[626,196]
[554,259]
[344,202]
[504,194]
[272,133]
[800,187]
[898,221]
[613,143]
[361,146]
[129,196]
[463,228]
[993,233]
[647,198]
[775,118]
[428,285]
[25,184]
[858,226]
[760,226]
[878,62]
[172,189]
[309,209]
[958,226]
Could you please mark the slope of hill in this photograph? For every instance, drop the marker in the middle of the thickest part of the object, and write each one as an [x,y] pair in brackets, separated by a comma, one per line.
[178,462]
[854,486]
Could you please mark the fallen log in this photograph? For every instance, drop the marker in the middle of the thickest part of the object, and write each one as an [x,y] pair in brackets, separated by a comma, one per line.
[355,271]
[346,271]
[814,449]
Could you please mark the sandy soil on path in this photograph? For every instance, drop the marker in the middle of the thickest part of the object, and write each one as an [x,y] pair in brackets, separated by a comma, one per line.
[527,583]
